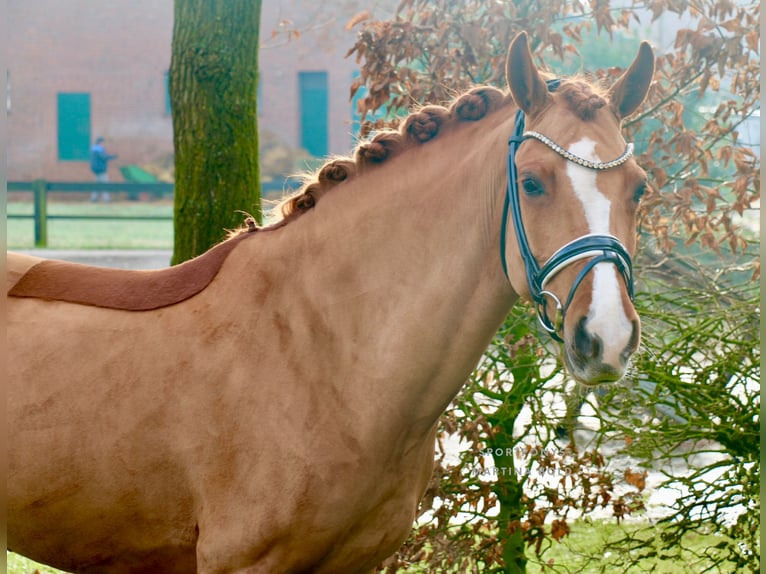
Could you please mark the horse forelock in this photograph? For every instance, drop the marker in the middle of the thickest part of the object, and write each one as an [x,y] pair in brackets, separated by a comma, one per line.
[582,98]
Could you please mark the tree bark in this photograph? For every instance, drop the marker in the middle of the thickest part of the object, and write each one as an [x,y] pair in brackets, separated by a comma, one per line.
[213,94]
[509,488]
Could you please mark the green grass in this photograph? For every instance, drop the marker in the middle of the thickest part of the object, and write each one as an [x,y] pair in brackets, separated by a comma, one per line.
[94,234]
[20,565]
[581,552]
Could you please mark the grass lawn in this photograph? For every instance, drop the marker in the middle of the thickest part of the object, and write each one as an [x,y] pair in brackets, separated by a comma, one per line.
[94,234]
[582,552]
[20,565]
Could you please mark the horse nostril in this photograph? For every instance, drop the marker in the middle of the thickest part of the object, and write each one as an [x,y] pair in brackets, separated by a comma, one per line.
[588,346]
[635,338]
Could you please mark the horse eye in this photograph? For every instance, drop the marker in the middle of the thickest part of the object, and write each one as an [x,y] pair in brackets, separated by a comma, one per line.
[532,186]
[639,193]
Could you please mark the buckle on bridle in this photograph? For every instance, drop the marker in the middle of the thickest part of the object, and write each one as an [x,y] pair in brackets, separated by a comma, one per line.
[541,306]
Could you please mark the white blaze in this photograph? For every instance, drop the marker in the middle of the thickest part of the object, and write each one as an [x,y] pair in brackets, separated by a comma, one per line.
[606,317]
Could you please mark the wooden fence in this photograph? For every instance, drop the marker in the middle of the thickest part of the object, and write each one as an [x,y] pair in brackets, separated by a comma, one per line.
[40,189]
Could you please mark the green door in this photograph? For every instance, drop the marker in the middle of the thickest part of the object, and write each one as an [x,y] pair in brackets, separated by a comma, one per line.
[314,112]
[74,126]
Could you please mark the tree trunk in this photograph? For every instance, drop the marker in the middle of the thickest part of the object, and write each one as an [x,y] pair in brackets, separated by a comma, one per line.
[213,94]
[509,487]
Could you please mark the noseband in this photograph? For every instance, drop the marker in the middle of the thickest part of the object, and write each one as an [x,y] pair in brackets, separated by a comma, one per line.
[597,248]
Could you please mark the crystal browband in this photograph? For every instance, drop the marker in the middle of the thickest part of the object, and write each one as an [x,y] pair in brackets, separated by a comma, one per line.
[576,158]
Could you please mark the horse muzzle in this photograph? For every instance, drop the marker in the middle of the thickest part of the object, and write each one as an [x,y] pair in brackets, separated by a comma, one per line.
[594,357]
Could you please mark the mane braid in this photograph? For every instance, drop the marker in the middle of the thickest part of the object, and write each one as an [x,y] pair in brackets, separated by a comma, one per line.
[419,127]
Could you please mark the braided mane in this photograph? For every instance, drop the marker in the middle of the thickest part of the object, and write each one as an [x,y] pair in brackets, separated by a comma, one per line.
[419,127]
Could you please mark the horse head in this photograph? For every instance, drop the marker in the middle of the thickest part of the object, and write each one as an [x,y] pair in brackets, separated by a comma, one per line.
[573,192]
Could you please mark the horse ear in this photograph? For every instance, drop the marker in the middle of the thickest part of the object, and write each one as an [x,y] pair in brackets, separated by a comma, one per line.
[630,89]
[528,89]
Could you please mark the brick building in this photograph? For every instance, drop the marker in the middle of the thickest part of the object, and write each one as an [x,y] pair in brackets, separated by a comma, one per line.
[80,69]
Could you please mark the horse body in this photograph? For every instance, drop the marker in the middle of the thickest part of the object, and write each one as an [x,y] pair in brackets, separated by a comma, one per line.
[282,418]
[286,412]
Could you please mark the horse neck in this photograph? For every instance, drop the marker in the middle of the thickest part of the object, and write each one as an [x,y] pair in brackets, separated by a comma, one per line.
[403,267]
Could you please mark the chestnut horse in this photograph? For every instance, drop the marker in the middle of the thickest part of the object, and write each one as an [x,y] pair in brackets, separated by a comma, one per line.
[271,405]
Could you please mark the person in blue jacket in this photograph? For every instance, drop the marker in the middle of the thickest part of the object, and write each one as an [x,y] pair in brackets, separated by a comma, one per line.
[99,165]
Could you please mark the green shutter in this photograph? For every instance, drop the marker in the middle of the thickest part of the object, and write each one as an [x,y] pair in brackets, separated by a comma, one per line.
[168,106]
[356,117]
[314,112]
[74,127]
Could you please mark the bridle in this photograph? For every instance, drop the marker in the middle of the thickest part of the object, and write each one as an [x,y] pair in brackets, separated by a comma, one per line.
[597,248]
